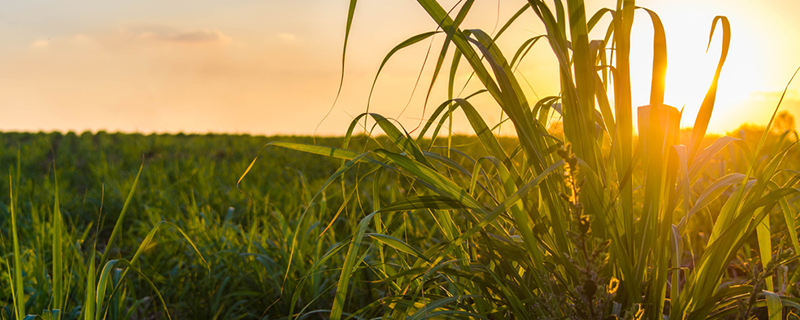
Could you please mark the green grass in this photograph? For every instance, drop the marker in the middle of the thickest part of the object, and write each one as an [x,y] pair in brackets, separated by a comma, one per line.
[246,243]
[112,216]
[584,223]
[593,221]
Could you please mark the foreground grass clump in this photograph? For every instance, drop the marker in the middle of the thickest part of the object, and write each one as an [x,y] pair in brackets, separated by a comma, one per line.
[597,222]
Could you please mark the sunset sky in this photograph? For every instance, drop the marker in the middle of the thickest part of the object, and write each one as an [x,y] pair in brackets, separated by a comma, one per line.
[272,67]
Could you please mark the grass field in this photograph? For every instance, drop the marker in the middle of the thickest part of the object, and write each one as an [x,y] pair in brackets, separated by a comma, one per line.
[579,216]
[189,182]
[245,237]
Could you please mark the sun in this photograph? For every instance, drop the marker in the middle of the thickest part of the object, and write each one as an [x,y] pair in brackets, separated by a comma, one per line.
[691,68]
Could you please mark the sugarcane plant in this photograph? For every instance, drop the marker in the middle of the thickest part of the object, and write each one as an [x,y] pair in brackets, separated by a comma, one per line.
[597,221]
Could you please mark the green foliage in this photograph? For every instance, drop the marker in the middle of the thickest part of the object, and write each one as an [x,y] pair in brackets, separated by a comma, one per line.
[577,217]
[100,213]
[185,201]
[657,228]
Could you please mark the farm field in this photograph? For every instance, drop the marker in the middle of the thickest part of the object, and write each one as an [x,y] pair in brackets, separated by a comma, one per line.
[190,182]
[242,239]
[597,200]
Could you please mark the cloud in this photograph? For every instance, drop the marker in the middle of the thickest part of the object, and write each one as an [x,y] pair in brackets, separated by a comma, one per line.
[791,94]
[287,37]
[162,34]
[193,36]
[768,100]
[40,44]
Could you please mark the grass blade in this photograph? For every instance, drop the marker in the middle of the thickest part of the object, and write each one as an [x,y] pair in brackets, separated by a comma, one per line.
[348,268]
[398,244]
[774,305]
[58,254]
[89,306]
[118,225]
[17,286]
[706,108]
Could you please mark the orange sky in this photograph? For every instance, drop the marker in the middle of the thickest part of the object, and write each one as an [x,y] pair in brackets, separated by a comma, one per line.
[272,67]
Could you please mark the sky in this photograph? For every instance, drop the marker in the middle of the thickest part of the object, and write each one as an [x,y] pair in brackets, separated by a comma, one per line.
[273,67]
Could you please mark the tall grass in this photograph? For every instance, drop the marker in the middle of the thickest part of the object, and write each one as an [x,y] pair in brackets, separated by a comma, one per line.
[51,299]
[188,184]
[592,222]
[598,222]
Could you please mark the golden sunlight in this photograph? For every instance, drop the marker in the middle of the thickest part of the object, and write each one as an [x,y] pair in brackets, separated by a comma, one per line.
[747,69]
